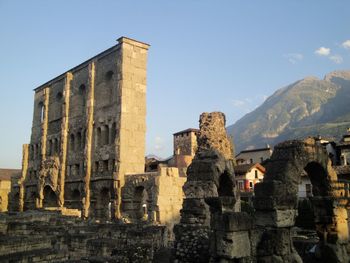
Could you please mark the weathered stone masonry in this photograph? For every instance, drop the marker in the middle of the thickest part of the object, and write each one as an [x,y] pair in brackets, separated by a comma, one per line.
[88,131]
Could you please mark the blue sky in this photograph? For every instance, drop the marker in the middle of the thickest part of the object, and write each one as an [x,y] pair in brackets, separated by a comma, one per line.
[204,56]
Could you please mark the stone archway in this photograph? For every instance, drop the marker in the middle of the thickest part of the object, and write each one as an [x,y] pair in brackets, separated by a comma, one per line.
[276,201]
[50,197]
[140,203]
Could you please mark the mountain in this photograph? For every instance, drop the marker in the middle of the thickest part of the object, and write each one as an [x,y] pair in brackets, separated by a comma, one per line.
[308,107]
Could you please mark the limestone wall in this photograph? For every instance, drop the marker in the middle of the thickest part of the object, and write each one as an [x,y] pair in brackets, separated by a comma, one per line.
[88,130]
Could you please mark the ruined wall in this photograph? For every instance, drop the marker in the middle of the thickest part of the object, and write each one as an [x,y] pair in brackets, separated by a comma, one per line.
[88,131]
[50,237]
[154,197]
[210,175]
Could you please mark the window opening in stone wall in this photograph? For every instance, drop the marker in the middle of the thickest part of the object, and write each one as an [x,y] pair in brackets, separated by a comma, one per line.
[72,141]
[49,153]
[59,96]
[50,199]
[105,133]
[140,202]
[42,111]
[82,92]
[77,170]
[109,75]
[78,144]
[105,165]
[225,187]
[98,136]
[251,160]
[97,167]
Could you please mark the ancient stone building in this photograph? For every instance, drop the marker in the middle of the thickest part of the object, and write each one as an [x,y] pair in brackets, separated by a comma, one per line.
[88,131]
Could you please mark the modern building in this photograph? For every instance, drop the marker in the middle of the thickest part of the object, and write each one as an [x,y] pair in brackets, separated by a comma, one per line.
[247,175]
[254,155]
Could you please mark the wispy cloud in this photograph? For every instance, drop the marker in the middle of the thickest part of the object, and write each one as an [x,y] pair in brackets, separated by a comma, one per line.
[294,58]
[246,105]
[326,52]
[158,143]
[323,51]
[346,44]
[336,59]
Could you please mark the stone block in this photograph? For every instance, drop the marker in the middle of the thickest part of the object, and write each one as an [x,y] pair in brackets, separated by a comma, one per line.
[274,195]
[275,242]
[232,222]
[233,245]
[276,218]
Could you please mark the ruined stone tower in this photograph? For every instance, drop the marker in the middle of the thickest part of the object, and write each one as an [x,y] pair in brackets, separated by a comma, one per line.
[88,130]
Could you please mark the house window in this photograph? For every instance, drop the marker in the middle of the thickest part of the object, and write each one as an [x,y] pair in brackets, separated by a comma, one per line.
[240,185]
[251,185]
[256,174]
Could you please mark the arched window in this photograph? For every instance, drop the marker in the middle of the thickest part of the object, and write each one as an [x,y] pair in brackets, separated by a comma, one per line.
[72,142]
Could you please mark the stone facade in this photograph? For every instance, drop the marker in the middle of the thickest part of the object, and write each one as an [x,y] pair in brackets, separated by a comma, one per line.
[88,131]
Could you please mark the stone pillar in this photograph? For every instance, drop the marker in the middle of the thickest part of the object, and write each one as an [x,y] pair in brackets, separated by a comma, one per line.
[210,175]
[88,139]
[45,123]
[25,152]
[130,139]
[43,143]
[64,137]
